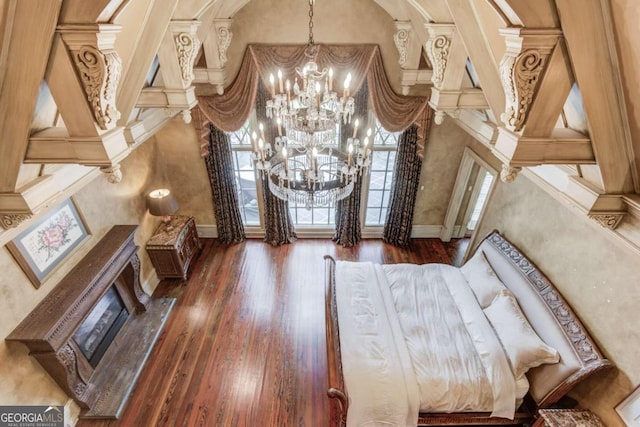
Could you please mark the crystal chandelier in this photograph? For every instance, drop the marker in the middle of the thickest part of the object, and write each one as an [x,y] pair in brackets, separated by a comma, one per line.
[301,165]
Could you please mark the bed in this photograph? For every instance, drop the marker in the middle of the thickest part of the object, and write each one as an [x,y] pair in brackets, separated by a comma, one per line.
[393,376]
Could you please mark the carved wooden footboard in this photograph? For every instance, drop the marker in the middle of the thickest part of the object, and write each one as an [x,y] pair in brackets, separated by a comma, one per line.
[338,401]
[574,332]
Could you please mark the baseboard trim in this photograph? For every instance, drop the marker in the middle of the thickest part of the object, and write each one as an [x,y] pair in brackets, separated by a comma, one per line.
[207,231]
[418,232]
[426,231]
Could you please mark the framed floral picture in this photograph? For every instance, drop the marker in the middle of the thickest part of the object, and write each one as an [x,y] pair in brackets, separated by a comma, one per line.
[40,248]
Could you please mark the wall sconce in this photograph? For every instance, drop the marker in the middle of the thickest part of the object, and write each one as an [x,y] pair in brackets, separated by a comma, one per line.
[162,203]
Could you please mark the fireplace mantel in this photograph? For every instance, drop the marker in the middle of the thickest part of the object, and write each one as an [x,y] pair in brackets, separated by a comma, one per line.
[48,330]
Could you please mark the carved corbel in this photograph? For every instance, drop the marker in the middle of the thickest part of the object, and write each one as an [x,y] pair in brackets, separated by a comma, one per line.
[407,42]
[609,220]
[509,173]
[521,68]
[112,173]
[98,66]
[186,45]
[401,40]
[12,220]
[185,114]
[224,34]
[437,48]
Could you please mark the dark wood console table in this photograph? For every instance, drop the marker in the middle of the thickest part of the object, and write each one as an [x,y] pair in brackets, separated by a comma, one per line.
[53,330]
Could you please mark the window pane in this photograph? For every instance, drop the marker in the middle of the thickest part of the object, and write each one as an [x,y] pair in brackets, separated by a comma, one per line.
[373,216]
[388,180]
[375,199]
[245,176]
[379,161]
[377,180]
[305,216]
[381,176]
[385,199]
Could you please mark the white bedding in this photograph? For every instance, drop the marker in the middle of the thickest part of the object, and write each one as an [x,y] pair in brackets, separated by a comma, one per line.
[390,369]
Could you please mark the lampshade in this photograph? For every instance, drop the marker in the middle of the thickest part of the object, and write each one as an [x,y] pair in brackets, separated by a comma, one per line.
[161,202]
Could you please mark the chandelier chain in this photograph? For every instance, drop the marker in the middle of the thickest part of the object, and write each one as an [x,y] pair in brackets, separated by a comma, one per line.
[311,42]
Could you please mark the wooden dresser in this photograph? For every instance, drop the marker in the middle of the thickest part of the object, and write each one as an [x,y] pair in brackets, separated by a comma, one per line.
[172,248]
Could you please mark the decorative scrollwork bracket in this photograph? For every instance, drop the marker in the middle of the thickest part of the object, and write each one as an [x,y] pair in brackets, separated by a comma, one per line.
[99,67]
[521,68]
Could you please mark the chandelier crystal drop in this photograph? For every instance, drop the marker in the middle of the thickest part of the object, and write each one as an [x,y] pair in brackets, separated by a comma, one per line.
[304,164]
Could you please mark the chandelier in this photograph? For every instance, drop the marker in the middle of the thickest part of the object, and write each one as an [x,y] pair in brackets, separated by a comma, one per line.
[301,164]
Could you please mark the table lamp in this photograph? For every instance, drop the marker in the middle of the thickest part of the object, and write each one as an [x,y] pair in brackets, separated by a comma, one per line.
[162,203]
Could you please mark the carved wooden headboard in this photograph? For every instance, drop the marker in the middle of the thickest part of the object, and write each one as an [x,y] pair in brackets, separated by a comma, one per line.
[551,317]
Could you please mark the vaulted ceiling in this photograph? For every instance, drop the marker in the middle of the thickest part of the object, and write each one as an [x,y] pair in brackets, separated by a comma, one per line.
[78,91]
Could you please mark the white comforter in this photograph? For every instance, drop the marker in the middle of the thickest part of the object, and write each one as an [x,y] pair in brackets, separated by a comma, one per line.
[413,337]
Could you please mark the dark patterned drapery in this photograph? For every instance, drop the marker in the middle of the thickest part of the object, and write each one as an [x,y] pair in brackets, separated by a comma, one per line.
[404,187]
[224,192]
[278,226]
[348,231]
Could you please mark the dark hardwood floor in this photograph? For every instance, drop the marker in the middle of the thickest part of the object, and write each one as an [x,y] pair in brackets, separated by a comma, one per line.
[245,344]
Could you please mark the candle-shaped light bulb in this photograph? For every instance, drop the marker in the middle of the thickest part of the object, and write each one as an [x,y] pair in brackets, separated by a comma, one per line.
[272,81]
[261,148]
[350,154]
[280,81]
[314,152]
[330,79]
[355,127]
[261,127]
[346,87]
[279,122]
[365,143]
[369,132]
[286,162]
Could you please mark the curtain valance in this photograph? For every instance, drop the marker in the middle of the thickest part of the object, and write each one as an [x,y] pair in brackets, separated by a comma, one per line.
[231,110]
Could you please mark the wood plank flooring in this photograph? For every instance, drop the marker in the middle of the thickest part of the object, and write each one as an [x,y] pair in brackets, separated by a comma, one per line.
[245,344]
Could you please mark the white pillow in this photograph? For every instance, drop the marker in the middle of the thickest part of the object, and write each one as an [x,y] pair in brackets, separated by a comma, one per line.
[523,346]
[482,279]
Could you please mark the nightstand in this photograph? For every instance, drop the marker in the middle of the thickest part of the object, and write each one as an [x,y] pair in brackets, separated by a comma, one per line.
[567,418]
[172,250]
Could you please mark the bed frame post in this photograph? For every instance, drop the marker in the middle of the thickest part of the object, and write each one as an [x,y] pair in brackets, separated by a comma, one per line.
[338,400]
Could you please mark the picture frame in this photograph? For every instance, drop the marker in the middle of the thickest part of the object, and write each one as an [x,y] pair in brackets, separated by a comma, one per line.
[629,409]
[40,249]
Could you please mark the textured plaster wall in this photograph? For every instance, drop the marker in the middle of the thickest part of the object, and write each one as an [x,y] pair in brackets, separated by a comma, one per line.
[179,152]
[23,381]
[439,169]
[597,275]
[335,21]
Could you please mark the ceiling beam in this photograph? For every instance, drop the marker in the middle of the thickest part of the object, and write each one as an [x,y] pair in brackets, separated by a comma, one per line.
[479,53]
[24,65]
[595,64]
[134,75]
